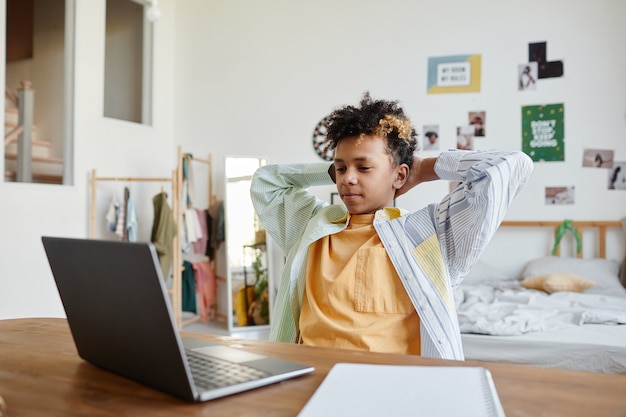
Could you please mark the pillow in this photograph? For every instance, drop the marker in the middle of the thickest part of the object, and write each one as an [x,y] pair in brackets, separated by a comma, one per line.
[557,281]
[480,272]
[603,272]
[622,276]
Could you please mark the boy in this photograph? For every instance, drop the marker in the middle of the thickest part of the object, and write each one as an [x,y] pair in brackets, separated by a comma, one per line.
[374,277]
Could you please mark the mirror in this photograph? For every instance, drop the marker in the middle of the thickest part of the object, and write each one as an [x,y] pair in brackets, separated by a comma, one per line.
[247,249]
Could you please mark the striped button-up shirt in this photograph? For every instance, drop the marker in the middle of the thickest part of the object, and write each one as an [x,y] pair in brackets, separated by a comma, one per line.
[431,249]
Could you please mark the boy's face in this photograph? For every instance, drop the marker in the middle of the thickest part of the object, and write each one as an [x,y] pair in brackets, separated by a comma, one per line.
[366,178]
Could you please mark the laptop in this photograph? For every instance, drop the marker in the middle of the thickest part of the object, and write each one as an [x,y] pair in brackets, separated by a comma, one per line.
[120,316]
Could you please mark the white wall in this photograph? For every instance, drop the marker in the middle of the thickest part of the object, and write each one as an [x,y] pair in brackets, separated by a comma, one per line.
[242,77]
[254,78]
[115,148]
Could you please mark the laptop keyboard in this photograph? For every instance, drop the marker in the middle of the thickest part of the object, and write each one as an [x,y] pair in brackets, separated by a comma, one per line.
[210,373]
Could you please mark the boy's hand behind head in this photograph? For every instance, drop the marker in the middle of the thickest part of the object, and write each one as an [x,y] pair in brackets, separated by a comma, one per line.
[422,170]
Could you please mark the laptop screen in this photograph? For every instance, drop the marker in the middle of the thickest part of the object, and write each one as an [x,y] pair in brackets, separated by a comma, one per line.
[118,309]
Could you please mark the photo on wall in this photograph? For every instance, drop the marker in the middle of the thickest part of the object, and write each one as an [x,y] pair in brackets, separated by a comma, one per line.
[543,132]
[560,195]
[465,137]
[430,138]
[617,176]
[598,158]
[527,76]
[478,119]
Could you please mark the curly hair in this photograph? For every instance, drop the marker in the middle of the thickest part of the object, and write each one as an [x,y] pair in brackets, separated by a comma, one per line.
[382,118]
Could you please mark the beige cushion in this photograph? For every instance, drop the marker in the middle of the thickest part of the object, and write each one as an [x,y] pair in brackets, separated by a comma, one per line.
[557,281]
[604,272]
[622,277]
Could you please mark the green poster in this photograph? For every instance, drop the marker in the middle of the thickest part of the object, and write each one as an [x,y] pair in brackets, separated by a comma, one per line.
[543,132]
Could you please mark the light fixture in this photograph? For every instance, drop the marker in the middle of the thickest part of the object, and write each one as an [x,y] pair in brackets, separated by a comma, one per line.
[153,13]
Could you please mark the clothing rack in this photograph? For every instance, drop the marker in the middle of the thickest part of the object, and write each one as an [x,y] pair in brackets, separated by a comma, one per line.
[176,290]
[212,199]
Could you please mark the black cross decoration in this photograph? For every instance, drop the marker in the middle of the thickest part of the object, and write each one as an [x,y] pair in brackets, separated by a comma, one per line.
[538,52]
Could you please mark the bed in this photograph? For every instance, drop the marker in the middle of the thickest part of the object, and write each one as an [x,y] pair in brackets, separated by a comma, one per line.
[555,311]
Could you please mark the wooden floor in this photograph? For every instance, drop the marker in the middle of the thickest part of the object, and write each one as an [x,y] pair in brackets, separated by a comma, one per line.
[220,328]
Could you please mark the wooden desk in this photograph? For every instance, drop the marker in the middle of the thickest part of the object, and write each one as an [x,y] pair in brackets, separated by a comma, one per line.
[41,374]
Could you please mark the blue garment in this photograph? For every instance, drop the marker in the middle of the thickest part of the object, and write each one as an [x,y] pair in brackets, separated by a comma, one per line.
[131,219]
[189,288]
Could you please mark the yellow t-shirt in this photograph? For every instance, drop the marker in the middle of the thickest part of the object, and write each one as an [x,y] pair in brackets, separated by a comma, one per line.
[353,297]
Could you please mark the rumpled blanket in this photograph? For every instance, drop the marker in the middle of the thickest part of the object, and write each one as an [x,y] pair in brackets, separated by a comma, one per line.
[505,308]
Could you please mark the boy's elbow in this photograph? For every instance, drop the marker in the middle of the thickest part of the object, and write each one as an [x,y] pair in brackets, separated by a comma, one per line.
[524,169]
[527,164]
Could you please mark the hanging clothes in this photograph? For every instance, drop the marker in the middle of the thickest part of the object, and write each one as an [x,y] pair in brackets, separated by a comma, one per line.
[189,288]
[210,249]
[220,227]
[111,215]
[192,226]
[126,197]
[131,219]
[199,246]
[120,227]
[163,232]
[188,181]
[206,287]
[217,236]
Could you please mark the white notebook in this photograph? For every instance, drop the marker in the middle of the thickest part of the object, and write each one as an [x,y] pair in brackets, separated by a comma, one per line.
[394,390]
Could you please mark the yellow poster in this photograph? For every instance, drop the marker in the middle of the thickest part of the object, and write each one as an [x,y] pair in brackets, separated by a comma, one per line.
[454,74]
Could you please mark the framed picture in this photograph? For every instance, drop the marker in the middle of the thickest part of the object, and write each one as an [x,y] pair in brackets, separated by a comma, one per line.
[560,195]
[454,74]
[543,132]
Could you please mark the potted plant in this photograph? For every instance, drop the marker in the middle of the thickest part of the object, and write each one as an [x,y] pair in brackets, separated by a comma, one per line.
[259,309]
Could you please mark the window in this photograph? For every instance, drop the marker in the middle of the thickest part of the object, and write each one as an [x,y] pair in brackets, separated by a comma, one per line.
[128,62]
[39,64]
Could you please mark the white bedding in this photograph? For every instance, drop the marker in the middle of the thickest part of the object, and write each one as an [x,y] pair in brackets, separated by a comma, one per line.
[502,321]
[592,348]
[505,308]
